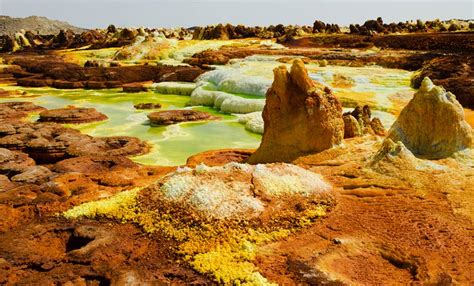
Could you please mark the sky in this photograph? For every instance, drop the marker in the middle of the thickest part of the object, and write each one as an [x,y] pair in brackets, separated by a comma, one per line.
[187,13]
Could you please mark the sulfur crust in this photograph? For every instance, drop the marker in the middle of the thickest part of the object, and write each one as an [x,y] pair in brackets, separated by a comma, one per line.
[222,251]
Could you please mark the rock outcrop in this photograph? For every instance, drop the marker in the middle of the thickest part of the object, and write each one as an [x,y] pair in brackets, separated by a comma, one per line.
[17,109]
[111,171]
[147,105]
[35,24]
[33,175]
[72,115]
[219,157]
[256,194]
[168,117]
[206,190]
[432,125]
[321,27]
[53,71]
[14,162]
[378,26]
[93,164]
[359,122]
[454,73]
[44,142]
[109,146]
[51,142]
[134,87]
[226,32]
[300,117]
[64,36]
[393,157]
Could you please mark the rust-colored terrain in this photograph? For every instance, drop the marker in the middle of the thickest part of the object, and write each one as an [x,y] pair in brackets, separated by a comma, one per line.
[354,203]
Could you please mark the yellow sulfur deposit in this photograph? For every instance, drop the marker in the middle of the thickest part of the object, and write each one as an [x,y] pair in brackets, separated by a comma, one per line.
[221,248]
[122,207]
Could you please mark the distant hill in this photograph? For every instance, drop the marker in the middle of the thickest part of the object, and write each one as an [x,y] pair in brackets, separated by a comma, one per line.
[36,24]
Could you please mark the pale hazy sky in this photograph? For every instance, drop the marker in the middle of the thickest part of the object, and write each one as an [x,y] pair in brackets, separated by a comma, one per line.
[168,13]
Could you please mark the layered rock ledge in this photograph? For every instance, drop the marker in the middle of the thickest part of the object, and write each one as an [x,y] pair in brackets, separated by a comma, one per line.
[17,110]
[168,117]
[72,115]
[51,142]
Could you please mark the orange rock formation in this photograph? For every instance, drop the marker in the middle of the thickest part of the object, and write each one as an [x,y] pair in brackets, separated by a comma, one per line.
[300,117]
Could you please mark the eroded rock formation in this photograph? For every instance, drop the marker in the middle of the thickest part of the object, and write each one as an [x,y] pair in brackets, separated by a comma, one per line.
[359,122]
[134,87]
[51,70]
[109,146]
[432,125]
[300,117]
[219,157]
[393,157]
[226,32]
[378,26]
[321,27]
[17,109]
[168,117]
[51,142]
[147,105]
[65,36]
[14,162]
[44,142]
[71,114]
[455,73]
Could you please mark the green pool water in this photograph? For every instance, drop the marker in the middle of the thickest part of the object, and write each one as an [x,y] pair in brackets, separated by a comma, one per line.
[171,145]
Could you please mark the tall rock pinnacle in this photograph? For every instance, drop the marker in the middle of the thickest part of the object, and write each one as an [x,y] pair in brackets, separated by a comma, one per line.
[300,117]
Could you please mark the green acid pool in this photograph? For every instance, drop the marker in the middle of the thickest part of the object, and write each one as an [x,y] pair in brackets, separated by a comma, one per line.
[171,145]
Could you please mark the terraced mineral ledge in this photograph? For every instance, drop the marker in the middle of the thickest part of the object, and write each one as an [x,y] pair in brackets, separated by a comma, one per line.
[280,155]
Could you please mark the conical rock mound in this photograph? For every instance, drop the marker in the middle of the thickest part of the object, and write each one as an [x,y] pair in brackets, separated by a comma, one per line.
[300,117]
[432,125]
[393,154]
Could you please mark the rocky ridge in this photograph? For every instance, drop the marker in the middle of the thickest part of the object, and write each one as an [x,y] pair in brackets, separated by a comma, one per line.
[36,24]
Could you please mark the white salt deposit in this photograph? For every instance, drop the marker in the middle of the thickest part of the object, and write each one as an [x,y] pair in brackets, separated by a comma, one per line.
[173,87]
[226,102]
[233,80]
[174,130]
[242,105]
[253,122]
[137,117]
[272,45]
[289,179]
[229,191]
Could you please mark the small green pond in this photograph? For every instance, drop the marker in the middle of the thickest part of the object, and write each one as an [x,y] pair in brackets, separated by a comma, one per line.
[172,144]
